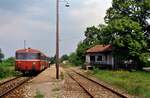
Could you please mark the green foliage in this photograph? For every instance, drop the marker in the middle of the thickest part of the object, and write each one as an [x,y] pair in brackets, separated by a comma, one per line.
[64,57]
[7,68]
[56,89]
[8,62]
[127,29]
[10,59]
[136,83]
[126,37]
[95,70]
[73,58]
[69,64]
[81,50]
[137,10]
[1,55]
[6,72]
[39,95]
[52,60]
[93,36]
[144,59]
[62,76]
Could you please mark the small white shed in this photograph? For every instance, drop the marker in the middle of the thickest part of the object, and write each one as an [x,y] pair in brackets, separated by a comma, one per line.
[100,55]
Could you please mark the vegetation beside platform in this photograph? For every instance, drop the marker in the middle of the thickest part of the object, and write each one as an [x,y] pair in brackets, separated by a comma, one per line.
[68,64]
[7,68]
[136,83]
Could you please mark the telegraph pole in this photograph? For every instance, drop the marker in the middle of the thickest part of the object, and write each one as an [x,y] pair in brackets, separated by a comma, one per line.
[57,39]
[57,35]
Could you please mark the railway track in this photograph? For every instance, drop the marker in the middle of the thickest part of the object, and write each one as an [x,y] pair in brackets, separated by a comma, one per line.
[12,84]
[93,88]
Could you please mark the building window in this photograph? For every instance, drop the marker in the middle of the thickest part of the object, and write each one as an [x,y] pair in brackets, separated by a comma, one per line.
[99,58]
[92,58]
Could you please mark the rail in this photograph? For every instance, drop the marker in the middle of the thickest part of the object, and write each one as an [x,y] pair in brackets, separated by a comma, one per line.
[12,84]
[95,82]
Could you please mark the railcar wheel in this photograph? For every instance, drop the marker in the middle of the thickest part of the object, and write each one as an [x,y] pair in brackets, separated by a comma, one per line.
[33,72]
[24,73]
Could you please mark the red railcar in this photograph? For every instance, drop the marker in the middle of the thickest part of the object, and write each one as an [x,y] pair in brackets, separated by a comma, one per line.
[30,60]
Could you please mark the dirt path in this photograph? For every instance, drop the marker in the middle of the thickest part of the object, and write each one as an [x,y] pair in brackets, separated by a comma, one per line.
[45,85]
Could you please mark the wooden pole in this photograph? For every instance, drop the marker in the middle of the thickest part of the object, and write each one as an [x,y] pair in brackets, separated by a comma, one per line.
[57,39]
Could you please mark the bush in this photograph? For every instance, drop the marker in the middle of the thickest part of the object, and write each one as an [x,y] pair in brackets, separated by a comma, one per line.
[64,57]
[7,68]
[136,83]
[6,72]
[8,62]
[144,59]
[39,95]
[95,70]
[73,58]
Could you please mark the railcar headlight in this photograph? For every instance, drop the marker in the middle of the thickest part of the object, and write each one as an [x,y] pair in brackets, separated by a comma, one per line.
[34,63]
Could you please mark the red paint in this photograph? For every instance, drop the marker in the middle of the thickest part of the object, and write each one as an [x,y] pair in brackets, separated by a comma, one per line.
[27,65]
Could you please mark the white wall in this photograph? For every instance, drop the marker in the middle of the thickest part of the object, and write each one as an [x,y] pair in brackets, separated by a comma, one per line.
[87,60]
[105,60]
[110,59]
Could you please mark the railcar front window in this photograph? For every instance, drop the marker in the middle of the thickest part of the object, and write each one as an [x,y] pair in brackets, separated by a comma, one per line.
[27,56]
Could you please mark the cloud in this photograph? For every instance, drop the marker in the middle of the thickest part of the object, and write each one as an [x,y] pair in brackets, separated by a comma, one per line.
[92,12]
[23,26]
[15,5]
[80,15]
[34,20]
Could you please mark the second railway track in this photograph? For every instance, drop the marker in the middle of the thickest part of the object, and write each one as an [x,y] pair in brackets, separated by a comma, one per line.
[12,84]
[93,88]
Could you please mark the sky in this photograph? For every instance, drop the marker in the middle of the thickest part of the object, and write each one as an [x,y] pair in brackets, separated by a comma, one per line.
[35,22]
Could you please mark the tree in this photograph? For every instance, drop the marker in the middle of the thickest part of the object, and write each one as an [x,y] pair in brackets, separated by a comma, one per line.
[64,57]
[93,36]
[127,28]
[136,10]
[1,55]
[52,59]
[73,58]
[81,50]
[10,60]
[126,37]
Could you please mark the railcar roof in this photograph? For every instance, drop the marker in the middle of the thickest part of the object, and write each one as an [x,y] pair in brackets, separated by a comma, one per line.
[29,50]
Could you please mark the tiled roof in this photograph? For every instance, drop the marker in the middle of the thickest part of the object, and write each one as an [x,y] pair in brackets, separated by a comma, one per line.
[100,48]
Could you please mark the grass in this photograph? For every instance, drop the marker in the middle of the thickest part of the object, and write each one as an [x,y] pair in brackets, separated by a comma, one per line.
[7,70]
[7,64]
[67,65]
[39,95]
[62,76]
[136,83]
[56,89]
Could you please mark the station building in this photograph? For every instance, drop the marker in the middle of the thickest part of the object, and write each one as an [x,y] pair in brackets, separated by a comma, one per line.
[100,56]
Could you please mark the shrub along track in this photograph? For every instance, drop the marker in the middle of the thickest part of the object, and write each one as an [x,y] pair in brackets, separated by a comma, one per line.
[93,88]
[12,84]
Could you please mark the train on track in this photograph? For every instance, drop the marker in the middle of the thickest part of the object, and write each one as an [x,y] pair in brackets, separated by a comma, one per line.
[30,61]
